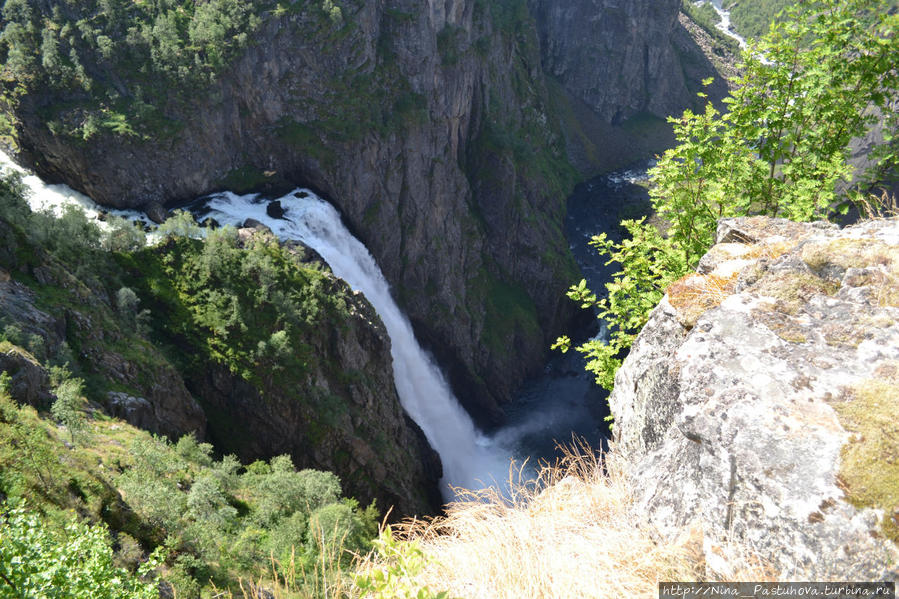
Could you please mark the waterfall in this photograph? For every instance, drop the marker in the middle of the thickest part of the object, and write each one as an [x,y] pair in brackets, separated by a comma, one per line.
[470,460]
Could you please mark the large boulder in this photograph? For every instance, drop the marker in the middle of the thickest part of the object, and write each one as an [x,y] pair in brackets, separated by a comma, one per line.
[29,383]
[759,401]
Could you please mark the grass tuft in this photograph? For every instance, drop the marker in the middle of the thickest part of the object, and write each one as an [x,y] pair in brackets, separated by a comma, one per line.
[695,294]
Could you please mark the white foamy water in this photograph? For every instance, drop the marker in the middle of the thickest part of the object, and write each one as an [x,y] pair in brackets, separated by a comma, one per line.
[470,460]
[725,26]
[56,197]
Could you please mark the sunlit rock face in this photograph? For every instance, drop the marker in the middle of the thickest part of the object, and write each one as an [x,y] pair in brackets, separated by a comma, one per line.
[759,400]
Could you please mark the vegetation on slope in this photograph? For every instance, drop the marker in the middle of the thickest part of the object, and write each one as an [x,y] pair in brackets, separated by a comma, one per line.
[782,149]
[705,15]
[752,19]
[213,521]
[76,483]
[117,65]
[250,306]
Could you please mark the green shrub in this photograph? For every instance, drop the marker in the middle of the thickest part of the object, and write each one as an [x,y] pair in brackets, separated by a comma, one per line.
[67,409]
[77,563]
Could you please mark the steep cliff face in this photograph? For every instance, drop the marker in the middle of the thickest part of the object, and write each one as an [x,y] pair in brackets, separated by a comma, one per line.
[425,123]
[759,401]
[618,57]
[428,124]
[621,68]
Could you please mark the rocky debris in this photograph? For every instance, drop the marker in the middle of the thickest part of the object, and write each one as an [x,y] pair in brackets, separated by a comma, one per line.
[162,416]
[255,225]
[136,411]
[768,417]
[156,212]
[17,306]
[306,253]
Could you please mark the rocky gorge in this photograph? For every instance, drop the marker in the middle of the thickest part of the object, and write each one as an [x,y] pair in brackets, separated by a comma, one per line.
[441,130]
[337,410]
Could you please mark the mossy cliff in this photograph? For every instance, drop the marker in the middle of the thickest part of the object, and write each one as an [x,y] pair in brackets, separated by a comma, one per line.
[759,400]
[429,124]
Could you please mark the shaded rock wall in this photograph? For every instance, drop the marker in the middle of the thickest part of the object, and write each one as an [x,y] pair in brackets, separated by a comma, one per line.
[425,124]
[618,57]
[431,127]
[758,414]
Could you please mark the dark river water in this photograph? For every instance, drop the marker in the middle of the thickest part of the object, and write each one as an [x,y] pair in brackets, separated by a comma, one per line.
[565,400]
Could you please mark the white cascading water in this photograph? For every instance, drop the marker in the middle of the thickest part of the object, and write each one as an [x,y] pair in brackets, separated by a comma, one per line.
[55,197]
[470,460]
[725,26]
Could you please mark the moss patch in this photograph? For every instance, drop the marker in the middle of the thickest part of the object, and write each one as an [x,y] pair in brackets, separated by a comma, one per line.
[870,460]
[782,325]
[792,290]
[511,317]
[878,262]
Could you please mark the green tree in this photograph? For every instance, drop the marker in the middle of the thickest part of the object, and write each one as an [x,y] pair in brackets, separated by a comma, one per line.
[67,408]
[36,561]
[820,78]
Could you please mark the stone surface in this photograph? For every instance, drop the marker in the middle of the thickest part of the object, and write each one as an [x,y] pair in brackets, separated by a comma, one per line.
[29,382]
[156,212]
[620,58]
[735,422]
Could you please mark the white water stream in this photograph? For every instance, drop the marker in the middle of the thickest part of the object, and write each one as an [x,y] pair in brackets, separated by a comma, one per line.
[470,459]
[724,25]
[56,197]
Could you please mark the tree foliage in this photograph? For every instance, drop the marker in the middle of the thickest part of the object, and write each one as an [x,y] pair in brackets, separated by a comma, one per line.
[77,563]
[821,77]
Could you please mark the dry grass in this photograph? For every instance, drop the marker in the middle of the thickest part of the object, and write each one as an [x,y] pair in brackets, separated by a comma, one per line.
[571,533]
[871,206]
[695,294]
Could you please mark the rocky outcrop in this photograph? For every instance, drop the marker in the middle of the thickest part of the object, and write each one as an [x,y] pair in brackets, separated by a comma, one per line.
[759,400]
[344,416]
[340,412]
[429,125]
[60,313]
[29,383]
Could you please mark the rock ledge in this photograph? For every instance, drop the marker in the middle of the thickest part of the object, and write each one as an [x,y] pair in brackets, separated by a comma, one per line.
[759,401]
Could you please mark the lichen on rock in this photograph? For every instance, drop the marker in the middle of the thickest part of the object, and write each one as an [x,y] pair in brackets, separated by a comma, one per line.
[765,415]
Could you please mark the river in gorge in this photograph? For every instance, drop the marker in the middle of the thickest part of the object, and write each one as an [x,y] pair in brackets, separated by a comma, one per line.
[563,401]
